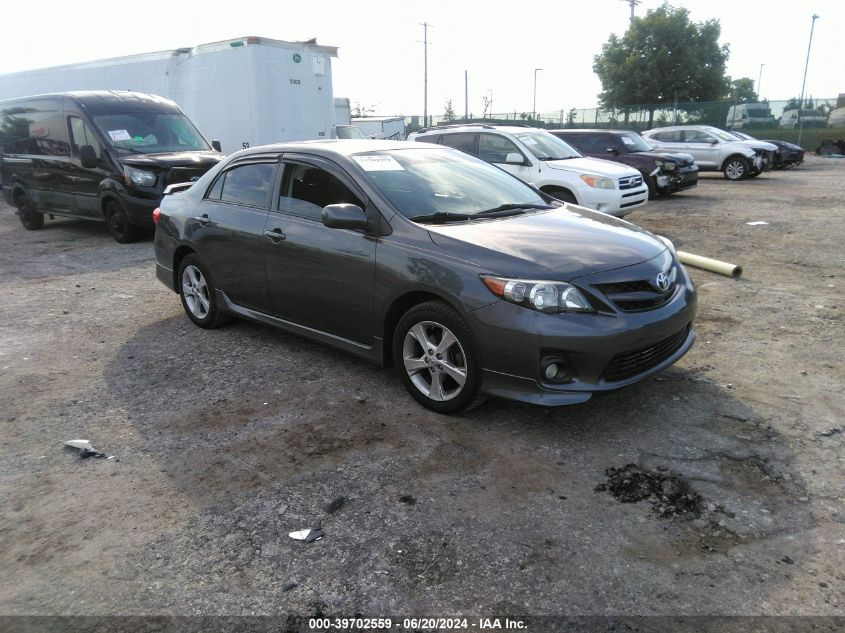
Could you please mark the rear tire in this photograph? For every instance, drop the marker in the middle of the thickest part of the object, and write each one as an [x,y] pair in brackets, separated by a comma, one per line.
[119,227]
[562,194]
[31,219]
[736,168]
[199,295]
[437,358]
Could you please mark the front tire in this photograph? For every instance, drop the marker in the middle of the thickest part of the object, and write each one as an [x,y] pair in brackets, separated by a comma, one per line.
[31,219]
[736,168]
[437,358]
[118,223]
[199,297]
[562,194]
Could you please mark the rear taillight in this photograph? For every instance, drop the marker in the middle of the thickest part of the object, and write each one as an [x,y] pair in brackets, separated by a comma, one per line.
[156,215]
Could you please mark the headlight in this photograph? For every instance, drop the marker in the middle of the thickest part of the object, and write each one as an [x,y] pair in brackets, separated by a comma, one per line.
[665,165]
[138,177]
[599,182]
[545,296]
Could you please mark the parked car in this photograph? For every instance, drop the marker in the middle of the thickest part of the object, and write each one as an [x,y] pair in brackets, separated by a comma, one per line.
[712,148]
[663,173]
[754,115]
[103,156]
[811,118]
[786,156]
[468,280]
[536,157]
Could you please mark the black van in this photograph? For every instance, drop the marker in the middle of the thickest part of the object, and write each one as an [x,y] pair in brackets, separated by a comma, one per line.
[101,155]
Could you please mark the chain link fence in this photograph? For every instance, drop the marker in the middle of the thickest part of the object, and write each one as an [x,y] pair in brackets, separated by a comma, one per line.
[772,119]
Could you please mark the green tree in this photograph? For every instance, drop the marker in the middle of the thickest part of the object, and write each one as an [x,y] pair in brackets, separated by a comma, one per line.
[742,91]
[449,115]
[662,57]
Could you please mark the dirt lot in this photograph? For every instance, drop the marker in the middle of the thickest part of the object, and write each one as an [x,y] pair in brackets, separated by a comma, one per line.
[495,512]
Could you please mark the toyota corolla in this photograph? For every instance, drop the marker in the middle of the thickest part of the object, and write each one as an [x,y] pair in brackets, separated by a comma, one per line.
[467,280]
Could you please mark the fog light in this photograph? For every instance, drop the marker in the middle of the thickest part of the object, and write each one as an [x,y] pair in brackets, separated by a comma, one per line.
[554,369]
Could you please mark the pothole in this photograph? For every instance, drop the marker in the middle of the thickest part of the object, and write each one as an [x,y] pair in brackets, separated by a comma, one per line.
[670,496]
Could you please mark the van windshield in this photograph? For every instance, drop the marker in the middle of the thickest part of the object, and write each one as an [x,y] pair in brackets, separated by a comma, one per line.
[759,112]
[151,133]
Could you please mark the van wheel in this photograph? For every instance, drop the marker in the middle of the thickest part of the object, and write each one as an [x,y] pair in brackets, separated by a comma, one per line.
[736,168]
[562,194]
[119,227]
[437,358]
[29,217]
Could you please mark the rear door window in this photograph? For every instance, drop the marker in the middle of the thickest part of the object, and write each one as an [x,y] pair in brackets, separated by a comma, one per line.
[248,185]
[463,141]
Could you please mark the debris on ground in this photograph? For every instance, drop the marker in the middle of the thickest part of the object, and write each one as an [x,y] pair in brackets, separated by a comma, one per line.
[669,495]
[86,450]
[335,505]
[309,536]
[757,223]
[289,586]
[408,499]
[831,432]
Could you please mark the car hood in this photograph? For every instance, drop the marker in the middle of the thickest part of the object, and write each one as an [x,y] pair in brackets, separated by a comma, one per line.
[594,166]
[561,244]
[768,147]
[681,159]
[174,159]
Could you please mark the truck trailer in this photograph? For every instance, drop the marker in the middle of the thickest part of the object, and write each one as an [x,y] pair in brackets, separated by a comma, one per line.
[386,127]
[246,91]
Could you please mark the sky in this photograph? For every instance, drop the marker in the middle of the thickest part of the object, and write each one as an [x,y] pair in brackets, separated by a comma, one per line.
[498,44]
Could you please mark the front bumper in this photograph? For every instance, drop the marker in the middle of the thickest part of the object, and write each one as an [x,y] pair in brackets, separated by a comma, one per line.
[615,202]
[678,180]
[515,340]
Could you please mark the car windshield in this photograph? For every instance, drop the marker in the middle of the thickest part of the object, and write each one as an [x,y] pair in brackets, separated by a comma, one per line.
[430,183]
[725,136]
[635,143]
[349,131]
[759,111]
[151,132]
[545,146]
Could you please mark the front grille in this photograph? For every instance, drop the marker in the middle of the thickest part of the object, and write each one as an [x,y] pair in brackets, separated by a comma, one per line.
[636,296]
[630,364]
[630,182]
[184,174]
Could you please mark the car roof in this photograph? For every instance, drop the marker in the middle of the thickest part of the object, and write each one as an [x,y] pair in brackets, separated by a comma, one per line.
[482,127]
[593,131]
[342,147]
[104,101]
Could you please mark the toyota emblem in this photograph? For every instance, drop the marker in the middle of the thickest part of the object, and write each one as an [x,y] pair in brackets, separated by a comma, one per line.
[662,281]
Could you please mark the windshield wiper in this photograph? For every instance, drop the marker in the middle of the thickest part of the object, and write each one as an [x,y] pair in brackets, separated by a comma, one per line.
[441,217]
[519,208]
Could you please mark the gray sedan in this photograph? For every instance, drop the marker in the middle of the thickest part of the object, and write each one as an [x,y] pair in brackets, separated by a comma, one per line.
[467,280]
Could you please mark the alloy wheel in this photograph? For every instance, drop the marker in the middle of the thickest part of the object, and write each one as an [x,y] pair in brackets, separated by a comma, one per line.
[435,361]
[735,170]
[195,291]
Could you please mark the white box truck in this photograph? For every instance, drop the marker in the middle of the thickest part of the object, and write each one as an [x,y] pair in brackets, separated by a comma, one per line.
[386,127]
[245,91]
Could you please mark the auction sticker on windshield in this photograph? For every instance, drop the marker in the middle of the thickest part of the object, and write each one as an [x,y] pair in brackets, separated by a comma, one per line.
[378,163]
[119,135]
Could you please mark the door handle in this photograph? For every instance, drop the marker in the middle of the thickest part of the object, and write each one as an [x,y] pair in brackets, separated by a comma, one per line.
[204,220]
[276,235]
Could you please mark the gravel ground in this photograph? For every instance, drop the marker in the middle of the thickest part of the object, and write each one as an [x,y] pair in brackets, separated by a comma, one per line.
[713,489]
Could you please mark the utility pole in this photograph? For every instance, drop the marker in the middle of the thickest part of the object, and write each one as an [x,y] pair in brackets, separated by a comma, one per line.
[466,96]
[633,4]
[425,26]
[534,112]
[804,83]
[759,79]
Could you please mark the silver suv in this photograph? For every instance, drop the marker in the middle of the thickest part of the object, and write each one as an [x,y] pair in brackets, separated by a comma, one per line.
[713,149]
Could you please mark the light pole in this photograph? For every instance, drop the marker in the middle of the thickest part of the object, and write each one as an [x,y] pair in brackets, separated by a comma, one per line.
[534,113]
[759,79]
[804,83]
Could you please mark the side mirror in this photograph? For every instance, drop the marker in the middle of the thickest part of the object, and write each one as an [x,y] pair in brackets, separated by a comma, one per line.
[344,216]
[514,158]
[713,141]
[216,146]
[612,150]
[88,157]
